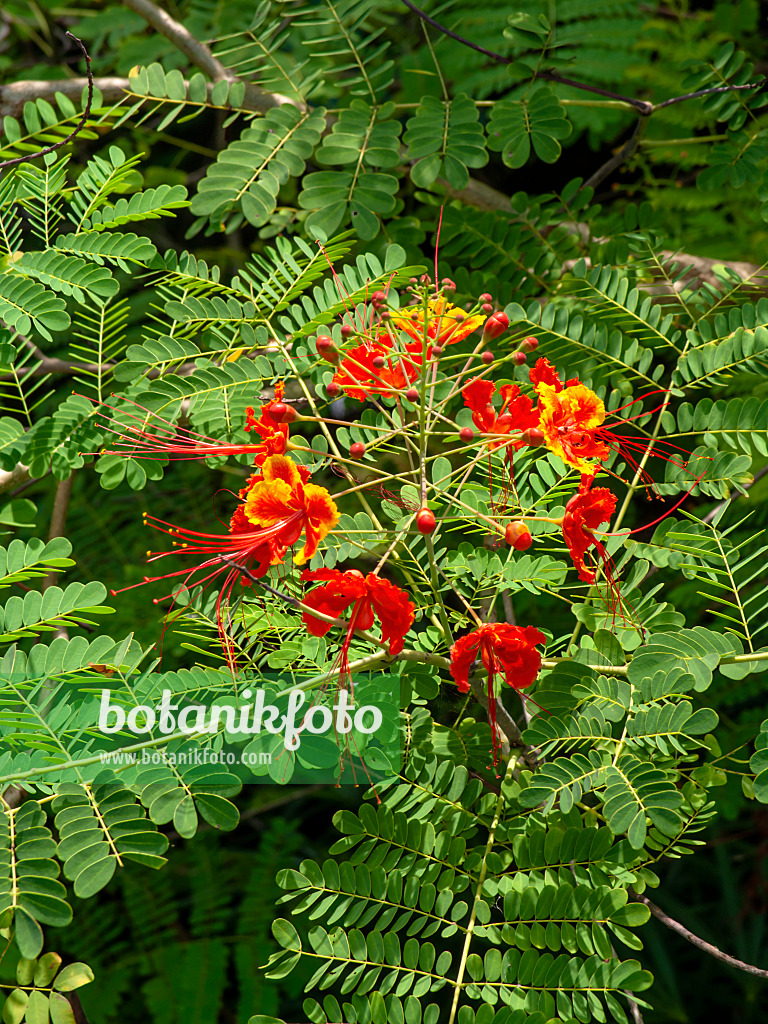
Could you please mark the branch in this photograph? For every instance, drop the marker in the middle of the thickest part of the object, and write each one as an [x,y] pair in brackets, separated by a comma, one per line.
[14,95]
[198,53]
[675,926]
[626,152]
[201,55]
[11,478]
[113,90]
[78,126]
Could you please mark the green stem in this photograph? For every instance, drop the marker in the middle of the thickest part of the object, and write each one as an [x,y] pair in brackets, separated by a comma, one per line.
[478,892]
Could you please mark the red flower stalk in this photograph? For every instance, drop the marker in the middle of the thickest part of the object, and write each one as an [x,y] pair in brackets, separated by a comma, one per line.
[278,507]
[369,595]
[504,650]
[516,413]
[166,440]
[361,379]
[273,433]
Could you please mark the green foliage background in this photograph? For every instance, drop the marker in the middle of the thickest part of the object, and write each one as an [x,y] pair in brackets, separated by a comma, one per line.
[175,237]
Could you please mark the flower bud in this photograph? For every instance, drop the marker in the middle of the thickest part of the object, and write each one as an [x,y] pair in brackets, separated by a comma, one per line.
[379,362]
[518,536]
[486,297]
[533,436]
[326,348]
[518,358]
[357,450]
[425,521]
[487,358]
[448,285]
[347,330]
[467,434]
[378,299]
[333,390]
[282,413]
[412,395]
[496,325]
[529,345]
[487,307]
[437,350]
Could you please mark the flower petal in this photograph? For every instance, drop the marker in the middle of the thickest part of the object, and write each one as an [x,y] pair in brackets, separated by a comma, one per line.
[463,653]
[394,609]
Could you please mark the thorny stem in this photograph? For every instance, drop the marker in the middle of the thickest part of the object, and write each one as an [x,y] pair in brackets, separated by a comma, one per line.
[78,127]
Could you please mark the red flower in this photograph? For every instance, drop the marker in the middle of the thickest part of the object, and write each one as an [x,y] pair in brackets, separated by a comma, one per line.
[516,413]
[369,594]
[544,373]
[503,649]
[361,379]
[584,513]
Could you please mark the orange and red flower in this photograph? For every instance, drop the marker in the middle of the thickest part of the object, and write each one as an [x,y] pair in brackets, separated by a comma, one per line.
[584,513]
[283,504]
[446,324]
[516,413]
[569,415]
[278,506]
[370,596]
[358,376]
[504,650]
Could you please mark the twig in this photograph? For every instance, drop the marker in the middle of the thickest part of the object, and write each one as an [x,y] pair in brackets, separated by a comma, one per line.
[700,943]
[78,127]
[709,92]
[625,153]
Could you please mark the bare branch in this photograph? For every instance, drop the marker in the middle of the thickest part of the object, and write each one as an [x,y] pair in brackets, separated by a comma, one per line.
[700,943]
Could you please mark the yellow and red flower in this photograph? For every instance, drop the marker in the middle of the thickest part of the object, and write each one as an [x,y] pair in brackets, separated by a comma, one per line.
[358,376]
[569,415]
[516,413]
[504,650]
[369,595]
[446,323]
[584,513]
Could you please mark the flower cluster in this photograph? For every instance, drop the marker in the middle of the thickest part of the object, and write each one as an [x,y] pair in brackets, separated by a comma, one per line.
[280,509]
